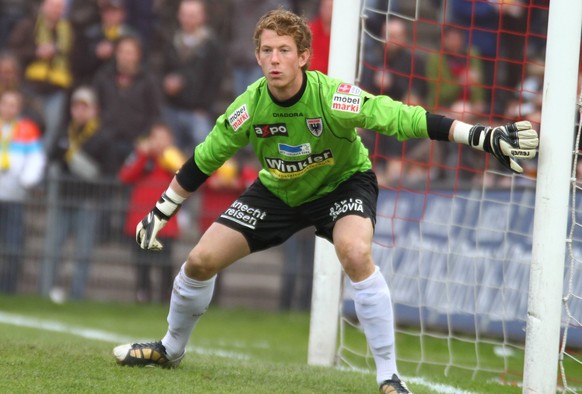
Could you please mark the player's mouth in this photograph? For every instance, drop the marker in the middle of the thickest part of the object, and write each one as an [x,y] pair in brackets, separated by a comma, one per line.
[275,74]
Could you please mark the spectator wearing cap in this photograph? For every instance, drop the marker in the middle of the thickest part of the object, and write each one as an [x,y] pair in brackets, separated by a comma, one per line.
[96,45]
[75,212]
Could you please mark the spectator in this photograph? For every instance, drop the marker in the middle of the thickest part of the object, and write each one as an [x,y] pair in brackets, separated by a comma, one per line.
[498,32]
[128,100]
[9,72]
[96,45]
[455,76]
[11,79]
[43,45]
[483,18]
[245,70]
[321,30]
[397,72]
[455,88]
[192,75]
[526,102]
[148,170]
[21,167]
[79,193]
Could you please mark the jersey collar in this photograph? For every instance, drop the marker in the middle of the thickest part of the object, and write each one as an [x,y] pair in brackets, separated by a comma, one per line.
[291,101]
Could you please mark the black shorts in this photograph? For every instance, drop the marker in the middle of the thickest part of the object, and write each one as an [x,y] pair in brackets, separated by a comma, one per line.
[266,221]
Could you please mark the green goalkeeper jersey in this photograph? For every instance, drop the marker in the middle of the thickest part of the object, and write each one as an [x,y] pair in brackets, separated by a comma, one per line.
[308,144]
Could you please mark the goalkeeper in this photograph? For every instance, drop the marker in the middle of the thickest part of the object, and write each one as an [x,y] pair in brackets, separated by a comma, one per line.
[315,172]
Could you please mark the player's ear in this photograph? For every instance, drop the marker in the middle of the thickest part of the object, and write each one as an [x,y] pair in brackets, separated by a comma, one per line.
[304,57]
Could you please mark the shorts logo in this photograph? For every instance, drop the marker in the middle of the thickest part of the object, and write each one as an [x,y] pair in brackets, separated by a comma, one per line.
[287,169]
[347,88]
[315,126]
[290,150]
[346,206]
[346,103]
[244,215]
[271,130]
[239,117]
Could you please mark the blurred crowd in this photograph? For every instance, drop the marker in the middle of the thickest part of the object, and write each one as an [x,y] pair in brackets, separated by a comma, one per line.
[122,91]
[478,61]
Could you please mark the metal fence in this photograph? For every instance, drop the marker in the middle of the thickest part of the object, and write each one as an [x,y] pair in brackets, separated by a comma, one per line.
[75,247]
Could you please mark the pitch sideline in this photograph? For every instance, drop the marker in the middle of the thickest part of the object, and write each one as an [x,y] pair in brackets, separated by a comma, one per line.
[105,336]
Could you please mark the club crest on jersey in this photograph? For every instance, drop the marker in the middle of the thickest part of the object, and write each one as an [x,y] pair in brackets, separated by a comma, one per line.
[315,126]
[347,88]
[238,117]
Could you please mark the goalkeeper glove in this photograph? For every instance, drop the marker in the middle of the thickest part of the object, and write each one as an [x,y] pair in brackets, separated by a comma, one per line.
[506,143]
[148,229]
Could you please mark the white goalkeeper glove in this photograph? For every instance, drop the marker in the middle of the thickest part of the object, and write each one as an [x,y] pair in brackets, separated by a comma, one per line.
[147,230]
[506,143]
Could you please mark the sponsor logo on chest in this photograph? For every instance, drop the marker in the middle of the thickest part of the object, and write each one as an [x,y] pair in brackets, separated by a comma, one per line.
[294,150]
[271,130]
[287,169]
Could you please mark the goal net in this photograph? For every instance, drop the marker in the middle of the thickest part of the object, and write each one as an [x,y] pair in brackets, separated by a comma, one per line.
[454,228]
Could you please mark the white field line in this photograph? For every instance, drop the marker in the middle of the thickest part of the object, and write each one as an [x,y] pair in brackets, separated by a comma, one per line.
[110,337]
[100,335]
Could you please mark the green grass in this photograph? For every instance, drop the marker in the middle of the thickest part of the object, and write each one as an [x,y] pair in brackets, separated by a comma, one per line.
[235,351]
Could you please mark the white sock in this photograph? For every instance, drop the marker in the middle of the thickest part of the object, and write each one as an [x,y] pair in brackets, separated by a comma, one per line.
[190,299]
[374,311]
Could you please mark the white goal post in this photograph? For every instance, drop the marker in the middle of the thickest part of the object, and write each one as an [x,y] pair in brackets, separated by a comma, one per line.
[325,304]
[552,197]
[549,237]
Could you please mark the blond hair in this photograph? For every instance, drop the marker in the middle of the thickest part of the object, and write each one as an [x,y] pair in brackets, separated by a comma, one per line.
[285,23]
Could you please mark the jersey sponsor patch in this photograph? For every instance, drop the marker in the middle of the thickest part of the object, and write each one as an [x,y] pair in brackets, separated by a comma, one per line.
[315,126]
[244,215]
[345,206]
[270,130]
[346,103]
[238,117]
[287,169]
[291,150]
[347,88]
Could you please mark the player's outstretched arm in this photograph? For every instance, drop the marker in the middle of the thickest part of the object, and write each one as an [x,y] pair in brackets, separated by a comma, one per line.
[506,143]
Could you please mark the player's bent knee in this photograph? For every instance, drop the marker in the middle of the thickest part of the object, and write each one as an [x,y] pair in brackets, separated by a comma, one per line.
[200,264]
[353,252]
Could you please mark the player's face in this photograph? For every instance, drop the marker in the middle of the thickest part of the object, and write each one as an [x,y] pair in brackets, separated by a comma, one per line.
[281,64]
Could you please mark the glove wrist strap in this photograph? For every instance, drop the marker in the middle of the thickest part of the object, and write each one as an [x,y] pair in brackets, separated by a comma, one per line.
[169,203]
[174,197]
[461,132]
